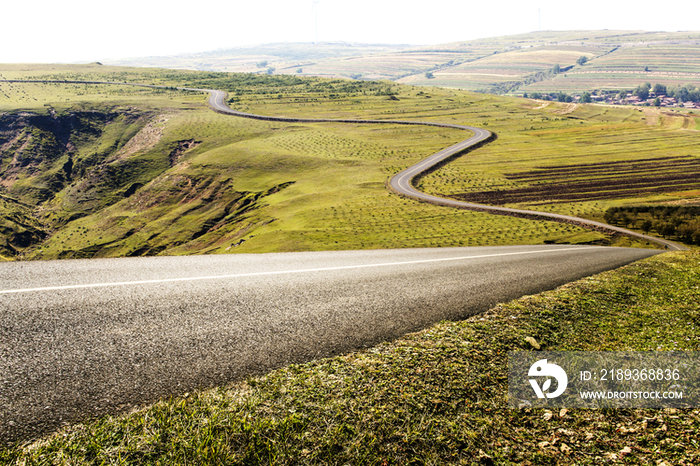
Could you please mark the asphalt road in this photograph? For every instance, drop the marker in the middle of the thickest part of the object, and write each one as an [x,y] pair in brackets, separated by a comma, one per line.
[84,338]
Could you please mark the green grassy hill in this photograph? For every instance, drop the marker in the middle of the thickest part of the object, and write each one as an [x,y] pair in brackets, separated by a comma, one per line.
[98,170]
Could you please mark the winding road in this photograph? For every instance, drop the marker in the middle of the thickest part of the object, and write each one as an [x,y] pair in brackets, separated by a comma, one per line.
[402,182]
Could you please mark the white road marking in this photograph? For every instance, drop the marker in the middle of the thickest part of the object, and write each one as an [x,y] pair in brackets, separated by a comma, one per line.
[281,272]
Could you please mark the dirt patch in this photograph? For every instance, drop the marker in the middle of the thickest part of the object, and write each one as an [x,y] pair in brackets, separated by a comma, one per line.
[566,110]
[694,201]
[180,148]
[652,116]
[148,137]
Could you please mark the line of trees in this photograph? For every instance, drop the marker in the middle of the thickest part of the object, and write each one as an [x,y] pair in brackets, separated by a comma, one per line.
[682,93]
[558,96]
[680,222]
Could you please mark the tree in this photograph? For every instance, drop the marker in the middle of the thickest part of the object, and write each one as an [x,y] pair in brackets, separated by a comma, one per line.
[556,69]
[657,102]
[692,93]
[609,215]
[642,91]
[582,60]
[429,75]
[646,226]
[668,230]
[561,97]
[622,95]
[684,93]
[623,219]
[685,232]
[586,98]
[659,89]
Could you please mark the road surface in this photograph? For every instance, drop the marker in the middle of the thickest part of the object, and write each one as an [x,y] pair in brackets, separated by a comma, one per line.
[83,338]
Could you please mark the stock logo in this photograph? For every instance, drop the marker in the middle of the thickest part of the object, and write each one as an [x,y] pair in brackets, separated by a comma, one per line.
[542,368]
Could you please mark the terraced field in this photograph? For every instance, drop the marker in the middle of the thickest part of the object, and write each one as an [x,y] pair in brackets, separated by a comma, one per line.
[512,64]
[384,66]
[629,66]
[505,66]
[616,60]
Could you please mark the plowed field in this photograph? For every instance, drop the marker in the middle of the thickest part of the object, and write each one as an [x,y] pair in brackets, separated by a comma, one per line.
[586,182]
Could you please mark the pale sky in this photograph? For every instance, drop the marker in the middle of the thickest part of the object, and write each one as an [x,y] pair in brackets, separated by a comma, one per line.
[59,31]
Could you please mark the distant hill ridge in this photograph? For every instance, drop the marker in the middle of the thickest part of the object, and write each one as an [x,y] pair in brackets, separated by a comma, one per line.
[518,64]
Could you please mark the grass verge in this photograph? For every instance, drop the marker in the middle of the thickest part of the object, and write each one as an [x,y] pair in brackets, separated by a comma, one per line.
[432,397]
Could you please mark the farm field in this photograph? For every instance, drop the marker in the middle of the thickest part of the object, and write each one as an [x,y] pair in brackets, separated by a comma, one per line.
[599,158]
[627,68]
[504,67]
[617,60]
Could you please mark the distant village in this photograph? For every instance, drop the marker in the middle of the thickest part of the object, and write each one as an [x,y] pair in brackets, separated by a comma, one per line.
[615,98]
[664,101]
[685,96]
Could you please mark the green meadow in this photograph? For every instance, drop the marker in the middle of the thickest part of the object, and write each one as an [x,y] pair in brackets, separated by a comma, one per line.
[162,174]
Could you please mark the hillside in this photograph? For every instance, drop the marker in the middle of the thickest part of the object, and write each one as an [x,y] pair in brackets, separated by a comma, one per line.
[92,170]
[322,59]
[511,64]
